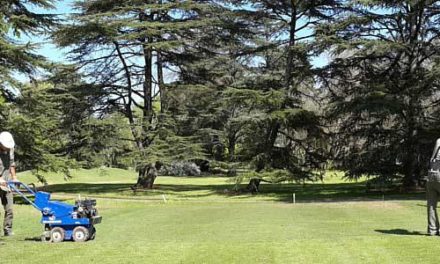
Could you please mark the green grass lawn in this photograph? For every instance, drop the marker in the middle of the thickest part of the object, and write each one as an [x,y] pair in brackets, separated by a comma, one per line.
[115,183]
[201,223]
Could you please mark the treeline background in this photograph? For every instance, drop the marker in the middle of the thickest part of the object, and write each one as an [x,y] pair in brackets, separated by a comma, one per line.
[291,88]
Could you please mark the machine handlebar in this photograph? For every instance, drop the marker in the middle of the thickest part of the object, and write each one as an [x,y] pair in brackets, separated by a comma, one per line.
[14,186]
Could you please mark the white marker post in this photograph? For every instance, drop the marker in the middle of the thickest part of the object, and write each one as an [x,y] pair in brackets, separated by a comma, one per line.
[294,198]
[164,199]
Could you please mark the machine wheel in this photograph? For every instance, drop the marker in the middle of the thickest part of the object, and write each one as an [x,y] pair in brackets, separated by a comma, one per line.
[80,234]
[57,235]
[92,233]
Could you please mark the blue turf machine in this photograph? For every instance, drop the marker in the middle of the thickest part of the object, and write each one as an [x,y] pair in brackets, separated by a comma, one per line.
[62,221]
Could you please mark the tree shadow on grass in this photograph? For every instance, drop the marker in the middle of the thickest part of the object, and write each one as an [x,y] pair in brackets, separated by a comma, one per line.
[124,190]
[337,192]
[89,188]
[115,188]
[402,232]
[274,192]
[20,200]
[33,239]
[38,240]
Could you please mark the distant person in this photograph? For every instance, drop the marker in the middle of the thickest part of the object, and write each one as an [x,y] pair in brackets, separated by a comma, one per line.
[433,190]
[7,173]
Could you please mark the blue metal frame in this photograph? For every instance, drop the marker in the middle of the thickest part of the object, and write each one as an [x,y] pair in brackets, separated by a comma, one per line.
[54,213]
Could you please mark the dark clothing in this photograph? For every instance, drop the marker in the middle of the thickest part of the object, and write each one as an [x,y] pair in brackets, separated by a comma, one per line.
[6,162]
[7,201]
[432,195]
[433,191]
[433,176]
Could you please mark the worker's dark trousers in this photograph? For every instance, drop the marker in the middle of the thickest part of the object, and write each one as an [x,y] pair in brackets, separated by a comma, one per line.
[7,201]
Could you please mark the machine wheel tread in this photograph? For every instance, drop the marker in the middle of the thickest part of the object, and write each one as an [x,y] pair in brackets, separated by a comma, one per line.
[80,234]
[57,234]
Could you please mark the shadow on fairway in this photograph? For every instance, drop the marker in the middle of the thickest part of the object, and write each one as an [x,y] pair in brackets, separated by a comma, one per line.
[337,192]
[38,240]
[33,239]
[86,188]
[180,191]
[402,232]
[279,192]
[21,200]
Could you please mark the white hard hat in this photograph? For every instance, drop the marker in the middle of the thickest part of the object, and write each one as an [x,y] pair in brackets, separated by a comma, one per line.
[7,140]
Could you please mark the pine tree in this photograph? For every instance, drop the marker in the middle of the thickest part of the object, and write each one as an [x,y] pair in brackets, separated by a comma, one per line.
[125,47]
[206,70]
[383,85]
[22,106]
[35,120]
[277,127]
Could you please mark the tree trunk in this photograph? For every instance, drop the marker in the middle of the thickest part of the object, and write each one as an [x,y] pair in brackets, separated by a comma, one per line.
[410,165]
[128,103]
[272,137]
[148,82]
[147,176]
[148,70]
[162,88]
[147,173]
[253,185]
[231,146]
[276,126]
[290,51]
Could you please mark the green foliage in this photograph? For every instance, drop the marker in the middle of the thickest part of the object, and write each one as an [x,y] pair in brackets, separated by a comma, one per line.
[382,85]
[167,150]
[267,114]
[54,131]
[101,142]
[129,45]
[16,19]
[35,122]
[230,81]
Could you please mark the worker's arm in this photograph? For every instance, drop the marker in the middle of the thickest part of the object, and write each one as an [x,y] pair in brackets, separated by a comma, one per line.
[12,166]
[13,175]
[434,152]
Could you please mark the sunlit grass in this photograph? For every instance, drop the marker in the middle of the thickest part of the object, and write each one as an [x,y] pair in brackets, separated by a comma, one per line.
[116,183]
[203,221]
[230,232]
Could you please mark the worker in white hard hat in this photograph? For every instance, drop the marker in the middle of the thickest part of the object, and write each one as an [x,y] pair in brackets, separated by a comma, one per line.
[7,173]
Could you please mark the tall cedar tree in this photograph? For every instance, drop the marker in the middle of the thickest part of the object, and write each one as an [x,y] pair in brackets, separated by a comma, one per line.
[383,86]
[93,137]
[206,71]
[278,129]
[35,120]
[125,47]
[30,112]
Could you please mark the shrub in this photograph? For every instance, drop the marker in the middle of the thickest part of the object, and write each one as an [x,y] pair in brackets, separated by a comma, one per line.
[180,168]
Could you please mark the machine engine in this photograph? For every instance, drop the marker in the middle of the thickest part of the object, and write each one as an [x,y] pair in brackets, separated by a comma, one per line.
[87,209]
